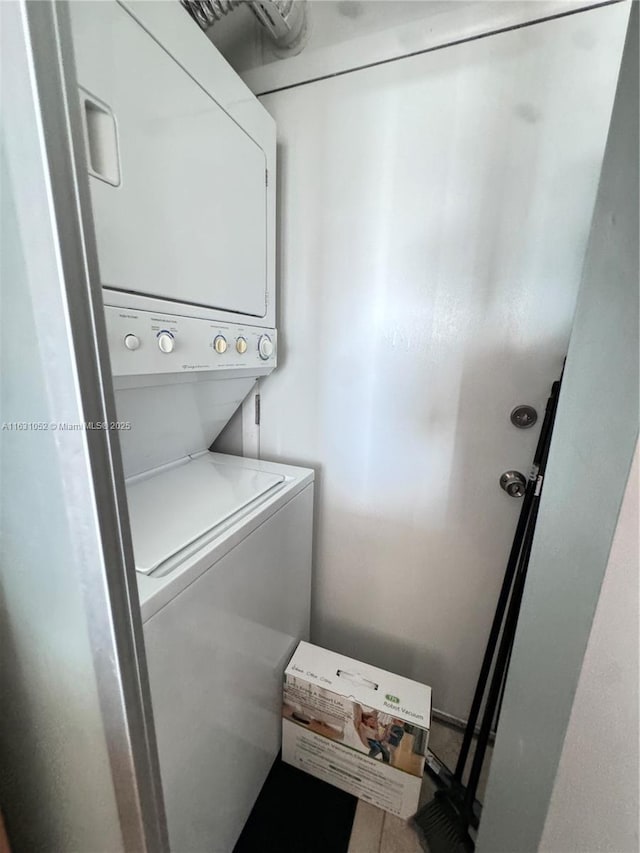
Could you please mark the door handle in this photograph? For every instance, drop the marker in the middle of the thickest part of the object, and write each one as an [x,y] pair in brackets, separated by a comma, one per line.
[101,139]
[514,483]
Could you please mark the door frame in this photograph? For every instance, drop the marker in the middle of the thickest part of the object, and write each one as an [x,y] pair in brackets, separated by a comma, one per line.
[99,519]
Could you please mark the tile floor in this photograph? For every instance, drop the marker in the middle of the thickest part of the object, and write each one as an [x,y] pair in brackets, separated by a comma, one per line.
[375,831]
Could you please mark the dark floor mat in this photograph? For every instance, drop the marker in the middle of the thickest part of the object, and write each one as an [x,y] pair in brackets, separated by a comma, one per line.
[296,813]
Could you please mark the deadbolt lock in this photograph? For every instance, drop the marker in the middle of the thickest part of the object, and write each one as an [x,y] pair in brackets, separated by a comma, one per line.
[524,417]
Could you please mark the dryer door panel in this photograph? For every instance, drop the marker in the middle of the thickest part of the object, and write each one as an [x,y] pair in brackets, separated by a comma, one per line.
[178,187]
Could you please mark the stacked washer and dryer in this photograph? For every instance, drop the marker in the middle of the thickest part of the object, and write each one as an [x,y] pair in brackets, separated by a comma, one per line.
[181,158]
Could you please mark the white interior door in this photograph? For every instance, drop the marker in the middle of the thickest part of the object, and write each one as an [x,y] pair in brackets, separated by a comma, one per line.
[178,188]
[435,214]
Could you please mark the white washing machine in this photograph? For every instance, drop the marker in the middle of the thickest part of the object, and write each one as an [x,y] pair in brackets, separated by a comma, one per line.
[222,616]
[181,160]
[222,547]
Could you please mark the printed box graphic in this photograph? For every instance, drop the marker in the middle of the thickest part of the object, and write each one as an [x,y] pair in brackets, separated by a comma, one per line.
[358,727]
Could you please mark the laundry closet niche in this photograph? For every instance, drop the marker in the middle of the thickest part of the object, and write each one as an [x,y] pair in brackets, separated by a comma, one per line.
[434,212]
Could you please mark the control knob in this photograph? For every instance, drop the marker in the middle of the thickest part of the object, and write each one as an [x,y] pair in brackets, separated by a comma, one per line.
[265,347]
[220,344]
[131,342]
[166,341]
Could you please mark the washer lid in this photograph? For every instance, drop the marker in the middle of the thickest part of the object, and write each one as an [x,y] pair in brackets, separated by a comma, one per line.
[173,508]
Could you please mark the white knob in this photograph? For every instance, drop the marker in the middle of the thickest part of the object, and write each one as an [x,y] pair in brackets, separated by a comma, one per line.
[132,341]
[241,345]
[265,347]
[166,342]
[220,344]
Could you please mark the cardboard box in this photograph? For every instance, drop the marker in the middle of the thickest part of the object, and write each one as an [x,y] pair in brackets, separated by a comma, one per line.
[358,727]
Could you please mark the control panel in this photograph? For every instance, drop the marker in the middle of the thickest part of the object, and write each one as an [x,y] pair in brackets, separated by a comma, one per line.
[143,342]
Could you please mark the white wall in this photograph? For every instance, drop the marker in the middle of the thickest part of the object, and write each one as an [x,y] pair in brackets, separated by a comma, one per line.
[594,806]
[594,440]
[345,34]
[434,213]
